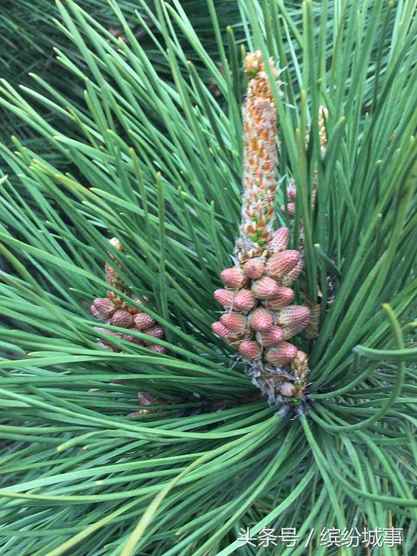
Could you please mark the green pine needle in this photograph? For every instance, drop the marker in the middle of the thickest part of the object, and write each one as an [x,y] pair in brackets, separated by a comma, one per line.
[146,147]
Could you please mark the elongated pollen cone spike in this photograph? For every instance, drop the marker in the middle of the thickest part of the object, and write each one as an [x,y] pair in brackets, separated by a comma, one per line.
[244,301]
[258,316]
[235,322]
[220,330]
[284,297]
[293,315]
[254,268]
[120,313]
[265,288]
[281,263]
[224,297]
[293,274]
[155,331]
[233,277]
[249,349]
[279,241]
[102,308]
[271,337]
[122,318]
[260,320]
[260,160]
[283,354]
[142,321]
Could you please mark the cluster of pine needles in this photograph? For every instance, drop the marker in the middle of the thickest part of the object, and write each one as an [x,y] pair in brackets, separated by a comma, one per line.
[130,126]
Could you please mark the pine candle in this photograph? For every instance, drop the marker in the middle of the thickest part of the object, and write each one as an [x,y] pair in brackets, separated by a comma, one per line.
[260,316]
[113,310]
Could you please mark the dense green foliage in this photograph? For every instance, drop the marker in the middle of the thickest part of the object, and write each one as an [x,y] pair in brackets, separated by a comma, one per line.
[29,38]
[154,158]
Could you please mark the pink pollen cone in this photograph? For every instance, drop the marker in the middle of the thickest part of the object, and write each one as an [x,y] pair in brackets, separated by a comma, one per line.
[293,274]
[284,297]
[142,321]
[233,277]
[260,320]
[234,322]
[279,241]
[220,330]
[249,349]
[254,268]
[155,331]
[265,288]
[294,315]
[122,318]
[244,300]
[283,354]
[281,263]
[102,308]
[224,297]
[271,337]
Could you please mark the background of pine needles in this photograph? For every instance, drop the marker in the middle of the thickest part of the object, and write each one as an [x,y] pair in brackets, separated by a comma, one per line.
[138,136]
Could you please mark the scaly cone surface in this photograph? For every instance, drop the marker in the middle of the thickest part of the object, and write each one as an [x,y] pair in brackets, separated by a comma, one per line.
[113,310]
[260,316]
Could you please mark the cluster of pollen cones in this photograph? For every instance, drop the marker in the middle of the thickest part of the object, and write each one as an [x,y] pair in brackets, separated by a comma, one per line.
[260,317]
[113,310]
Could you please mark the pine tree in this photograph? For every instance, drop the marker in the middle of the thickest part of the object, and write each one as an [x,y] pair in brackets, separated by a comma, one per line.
[133,450]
